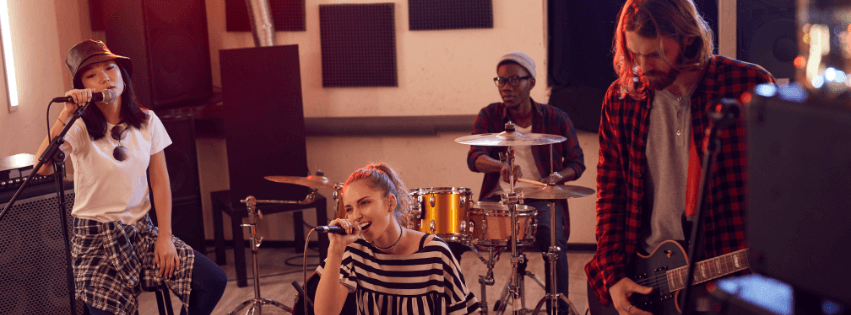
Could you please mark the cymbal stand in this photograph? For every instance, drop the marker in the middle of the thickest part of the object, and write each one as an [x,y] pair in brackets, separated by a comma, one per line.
[512,199]
[257,302]
[552,255]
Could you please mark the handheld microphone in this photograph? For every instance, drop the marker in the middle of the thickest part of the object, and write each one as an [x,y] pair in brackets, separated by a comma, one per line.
[334,229]
[105,96]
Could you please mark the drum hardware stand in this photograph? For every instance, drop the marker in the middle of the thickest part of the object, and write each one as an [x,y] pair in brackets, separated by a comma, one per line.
[511,199]
[488,280]
[553,296]
[251,204]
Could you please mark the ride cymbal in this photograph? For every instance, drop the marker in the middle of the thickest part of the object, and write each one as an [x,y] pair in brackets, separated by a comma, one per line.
[510,138]
[554,191]
[312,181]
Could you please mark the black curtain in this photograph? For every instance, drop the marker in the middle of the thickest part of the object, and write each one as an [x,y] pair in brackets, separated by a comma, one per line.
[580,54]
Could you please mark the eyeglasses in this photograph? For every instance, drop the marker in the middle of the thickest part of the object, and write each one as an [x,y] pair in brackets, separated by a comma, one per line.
[120,152]
[513,80]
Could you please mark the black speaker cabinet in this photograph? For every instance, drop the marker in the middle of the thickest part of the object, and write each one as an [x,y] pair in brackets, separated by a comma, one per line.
[187,216]
[261,92]
[766,35]
[32,254]
[799,176]
[167,42]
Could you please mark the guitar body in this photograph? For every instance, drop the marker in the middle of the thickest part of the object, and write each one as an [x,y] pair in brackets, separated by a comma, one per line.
[649,271]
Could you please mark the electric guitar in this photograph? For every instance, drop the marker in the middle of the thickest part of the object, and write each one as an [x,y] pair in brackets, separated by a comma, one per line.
[665,271]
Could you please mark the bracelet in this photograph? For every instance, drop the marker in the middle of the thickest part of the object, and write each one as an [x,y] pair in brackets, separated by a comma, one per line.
[60,120]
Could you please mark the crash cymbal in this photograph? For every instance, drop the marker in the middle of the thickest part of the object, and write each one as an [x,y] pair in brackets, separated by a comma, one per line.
[554,191]
[510,138]
[312,181]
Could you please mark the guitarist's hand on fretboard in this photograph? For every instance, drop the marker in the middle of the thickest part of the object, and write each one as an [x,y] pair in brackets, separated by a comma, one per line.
[621,292]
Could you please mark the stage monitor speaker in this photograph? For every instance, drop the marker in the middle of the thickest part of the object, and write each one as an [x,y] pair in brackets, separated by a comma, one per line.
[167,42]
[187,215]
[261,92]
[799,176]
[766,35]
[32,253]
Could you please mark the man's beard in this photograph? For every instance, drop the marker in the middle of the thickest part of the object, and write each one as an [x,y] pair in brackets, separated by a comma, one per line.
[663,80]
[660,80]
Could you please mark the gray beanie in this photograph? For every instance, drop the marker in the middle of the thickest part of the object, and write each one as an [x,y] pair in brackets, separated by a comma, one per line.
[520,58]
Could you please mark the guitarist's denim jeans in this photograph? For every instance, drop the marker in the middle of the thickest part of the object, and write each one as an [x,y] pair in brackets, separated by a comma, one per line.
[542,244]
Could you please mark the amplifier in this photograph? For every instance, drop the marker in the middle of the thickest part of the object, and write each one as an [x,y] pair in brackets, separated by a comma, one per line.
[15,169]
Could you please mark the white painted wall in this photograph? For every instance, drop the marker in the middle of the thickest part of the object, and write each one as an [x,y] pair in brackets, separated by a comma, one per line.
[446,72]
[42,31]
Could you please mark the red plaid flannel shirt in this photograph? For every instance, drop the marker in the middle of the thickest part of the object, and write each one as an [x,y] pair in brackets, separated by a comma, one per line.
[623,162]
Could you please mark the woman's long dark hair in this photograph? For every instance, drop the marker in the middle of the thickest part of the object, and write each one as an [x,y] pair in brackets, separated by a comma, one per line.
[131,112]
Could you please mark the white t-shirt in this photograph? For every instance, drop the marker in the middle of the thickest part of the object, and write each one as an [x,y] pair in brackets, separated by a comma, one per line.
[108,190]
[522,157]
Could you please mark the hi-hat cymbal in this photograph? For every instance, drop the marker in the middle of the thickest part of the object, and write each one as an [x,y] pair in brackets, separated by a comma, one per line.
[312,181]
[510,138]
[554,191]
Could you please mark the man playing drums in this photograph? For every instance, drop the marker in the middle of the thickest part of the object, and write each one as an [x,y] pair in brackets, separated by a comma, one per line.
[515,79]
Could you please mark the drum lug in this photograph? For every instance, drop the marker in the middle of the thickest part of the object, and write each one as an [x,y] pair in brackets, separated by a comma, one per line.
[431,200]
[484,226]
[463,201]
[431,227]
[472,227]
[463,226]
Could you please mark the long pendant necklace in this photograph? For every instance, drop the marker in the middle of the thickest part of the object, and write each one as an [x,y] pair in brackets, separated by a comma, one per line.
[401,231]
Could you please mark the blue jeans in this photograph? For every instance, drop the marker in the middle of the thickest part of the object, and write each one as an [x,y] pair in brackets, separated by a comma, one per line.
[208,285]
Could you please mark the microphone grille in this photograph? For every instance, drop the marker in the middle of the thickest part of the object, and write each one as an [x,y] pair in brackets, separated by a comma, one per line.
[108,96]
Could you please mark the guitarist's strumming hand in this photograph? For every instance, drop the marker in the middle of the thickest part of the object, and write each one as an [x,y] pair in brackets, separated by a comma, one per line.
[621,292]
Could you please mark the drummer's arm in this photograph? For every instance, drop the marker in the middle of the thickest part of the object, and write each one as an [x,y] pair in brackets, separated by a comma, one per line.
[573,158]
[487,164]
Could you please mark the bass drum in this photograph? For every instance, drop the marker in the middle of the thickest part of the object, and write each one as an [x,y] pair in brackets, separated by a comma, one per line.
[349,307]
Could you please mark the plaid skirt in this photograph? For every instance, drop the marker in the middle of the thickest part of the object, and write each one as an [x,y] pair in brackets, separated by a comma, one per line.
[114,262]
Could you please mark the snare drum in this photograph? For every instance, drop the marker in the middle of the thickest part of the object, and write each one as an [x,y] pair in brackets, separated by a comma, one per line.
[490,224]
[441,211]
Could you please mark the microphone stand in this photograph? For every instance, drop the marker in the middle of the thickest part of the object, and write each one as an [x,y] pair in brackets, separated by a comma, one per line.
[53,152]
[727,115]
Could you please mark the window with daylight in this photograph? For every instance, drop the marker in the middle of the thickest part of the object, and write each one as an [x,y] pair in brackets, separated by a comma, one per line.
[8,61]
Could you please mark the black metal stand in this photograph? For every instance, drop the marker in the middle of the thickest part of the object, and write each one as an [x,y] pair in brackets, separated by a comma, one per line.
[724,115]
[53,152]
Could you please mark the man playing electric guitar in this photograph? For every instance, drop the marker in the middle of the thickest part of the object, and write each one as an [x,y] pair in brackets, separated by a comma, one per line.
[652,133]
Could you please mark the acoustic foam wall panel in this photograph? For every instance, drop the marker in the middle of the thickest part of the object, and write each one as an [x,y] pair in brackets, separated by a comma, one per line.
[358,45]
[449,14]
[288,15]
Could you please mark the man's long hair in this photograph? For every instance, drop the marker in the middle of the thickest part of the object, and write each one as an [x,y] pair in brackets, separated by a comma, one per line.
[675,19]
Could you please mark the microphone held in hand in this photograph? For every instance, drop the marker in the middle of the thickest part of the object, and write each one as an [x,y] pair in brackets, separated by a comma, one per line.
[334,229]
[105,96]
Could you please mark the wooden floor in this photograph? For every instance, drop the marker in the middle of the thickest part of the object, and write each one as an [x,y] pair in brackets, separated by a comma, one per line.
[276,277]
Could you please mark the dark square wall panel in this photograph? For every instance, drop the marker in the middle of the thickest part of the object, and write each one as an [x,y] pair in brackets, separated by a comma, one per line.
[449,14]
[288,15]
[358,45]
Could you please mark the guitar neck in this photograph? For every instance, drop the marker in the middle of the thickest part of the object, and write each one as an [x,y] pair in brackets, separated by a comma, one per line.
[709,269]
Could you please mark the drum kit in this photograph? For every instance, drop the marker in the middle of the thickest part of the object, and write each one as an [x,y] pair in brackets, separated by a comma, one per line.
[453,215]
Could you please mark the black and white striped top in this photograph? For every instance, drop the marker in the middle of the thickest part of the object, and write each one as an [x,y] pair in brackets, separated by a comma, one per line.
[428,281]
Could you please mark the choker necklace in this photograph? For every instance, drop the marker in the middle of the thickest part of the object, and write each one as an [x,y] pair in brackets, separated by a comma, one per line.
[401,231]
